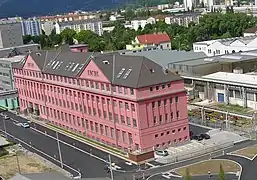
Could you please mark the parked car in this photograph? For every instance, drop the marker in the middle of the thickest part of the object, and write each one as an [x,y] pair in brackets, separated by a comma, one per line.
[6,117]
[162,153]
[197,137]
[24,125]
[205,136]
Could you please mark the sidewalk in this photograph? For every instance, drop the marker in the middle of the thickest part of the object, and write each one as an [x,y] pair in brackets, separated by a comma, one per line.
[97,145]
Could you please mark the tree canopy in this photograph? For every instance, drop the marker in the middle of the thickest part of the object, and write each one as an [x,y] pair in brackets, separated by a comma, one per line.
[211,26]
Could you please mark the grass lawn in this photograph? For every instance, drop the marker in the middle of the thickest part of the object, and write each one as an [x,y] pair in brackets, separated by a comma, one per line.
[249,152]
[233,108]
[202,168]
[28,164]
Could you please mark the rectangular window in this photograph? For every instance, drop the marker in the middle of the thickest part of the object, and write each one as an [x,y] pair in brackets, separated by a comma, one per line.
[128,121]
[160,119]
[131,91]
[121,104]
[126,91]
[134,122]
[159,103]
[177,114]
[133,107]
[151,88]
[122,119]
[120,89]
[110,116]
[153,104]
[127,106]
[176,99]
[165,102]
[105,114]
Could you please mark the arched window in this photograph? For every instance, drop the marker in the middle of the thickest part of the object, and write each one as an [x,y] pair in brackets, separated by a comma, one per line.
[233,51]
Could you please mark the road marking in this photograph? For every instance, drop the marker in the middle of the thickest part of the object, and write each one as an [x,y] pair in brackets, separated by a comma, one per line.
[167,177]
[45,154]
[128,163]
[83,151]
[149,164]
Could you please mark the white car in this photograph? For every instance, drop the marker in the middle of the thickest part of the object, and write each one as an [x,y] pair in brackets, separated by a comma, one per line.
[162,153]
[24,125]
[6,117]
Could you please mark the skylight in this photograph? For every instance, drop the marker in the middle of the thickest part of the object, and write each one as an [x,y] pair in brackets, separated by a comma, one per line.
[56,64]
[80,67]
[67,67]
[70,67]
[120,73]
[52,63]
[77,65]
[59,65]
[127,73]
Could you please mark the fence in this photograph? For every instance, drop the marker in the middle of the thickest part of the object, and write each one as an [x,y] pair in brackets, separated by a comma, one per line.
[212,149]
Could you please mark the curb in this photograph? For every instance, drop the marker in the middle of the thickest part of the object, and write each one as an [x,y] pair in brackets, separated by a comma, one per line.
[80,139]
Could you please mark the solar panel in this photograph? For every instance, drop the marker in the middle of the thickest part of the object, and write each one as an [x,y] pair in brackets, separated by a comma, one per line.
[127,73]
[120,73]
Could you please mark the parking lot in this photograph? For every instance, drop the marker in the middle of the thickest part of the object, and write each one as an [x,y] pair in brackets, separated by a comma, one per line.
[218,140]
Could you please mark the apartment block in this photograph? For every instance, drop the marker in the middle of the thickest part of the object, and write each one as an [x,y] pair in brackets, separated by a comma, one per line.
[10,34]
[31,27]
[93,25]
[128,102]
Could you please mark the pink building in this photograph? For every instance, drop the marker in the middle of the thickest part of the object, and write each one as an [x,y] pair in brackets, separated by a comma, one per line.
[128,102]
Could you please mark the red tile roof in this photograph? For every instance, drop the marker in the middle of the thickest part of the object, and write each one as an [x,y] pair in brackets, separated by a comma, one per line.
[153,38]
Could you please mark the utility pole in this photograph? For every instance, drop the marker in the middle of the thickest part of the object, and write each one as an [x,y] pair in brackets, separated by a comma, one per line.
[18,164]
[5,131]
[59,149]
[110,166]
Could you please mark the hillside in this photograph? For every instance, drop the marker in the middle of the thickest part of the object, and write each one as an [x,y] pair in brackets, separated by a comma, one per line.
[28,8]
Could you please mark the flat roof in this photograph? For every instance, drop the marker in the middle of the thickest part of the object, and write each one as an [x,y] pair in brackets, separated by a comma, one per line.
[226,58]
[165,57]
[244,79]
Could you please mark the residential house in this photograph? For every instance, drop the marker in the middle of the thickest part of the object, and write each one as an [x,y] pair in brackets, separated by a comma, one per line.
[159,41]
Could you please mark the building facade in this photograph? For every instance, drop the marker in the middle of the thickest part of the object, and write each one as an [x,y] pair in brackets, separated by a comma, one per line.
[226,46]
[92,25]
[48,27]
[10,34]
[70,17]
[7,81]
[183,19]
[31,27]
[159,41]
[123,101]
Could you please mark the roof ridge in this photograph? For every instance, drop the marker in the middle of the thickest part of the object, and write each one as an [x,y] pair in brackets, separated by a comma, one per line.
[143,57]
[45,61]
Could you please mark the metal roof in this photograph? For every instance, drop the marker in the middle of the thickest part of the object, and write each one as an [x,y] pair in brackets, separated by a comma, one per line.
[124,70]
[164,57]
[243,79]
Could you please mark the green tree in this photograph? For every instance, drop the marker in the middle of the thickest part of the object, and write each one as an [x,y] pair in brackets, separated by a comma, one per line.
[221,173]
[27,39]
[68,35]
[187,175]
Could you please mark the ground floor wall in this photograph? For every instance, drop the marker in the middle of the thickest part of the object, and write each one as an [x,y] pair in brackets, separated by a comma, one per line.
[11,103]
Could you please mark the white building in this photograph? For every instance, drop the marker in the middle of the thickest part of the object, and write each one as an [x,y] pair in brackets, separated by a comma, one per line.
[10,34]
[250,32]
[48,27]
[226,46]
[92,25]
[231,88]
[163,6]
[183,19]
[135,24]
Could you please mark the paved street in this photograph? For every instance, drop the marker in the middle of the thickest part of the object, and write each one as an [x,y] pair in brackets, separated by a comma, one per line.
[87,165]
[206,177]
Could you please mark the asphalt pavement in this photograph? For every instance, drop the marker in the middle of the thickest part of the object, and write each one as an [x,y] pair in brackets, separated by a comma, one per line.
[86,164]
